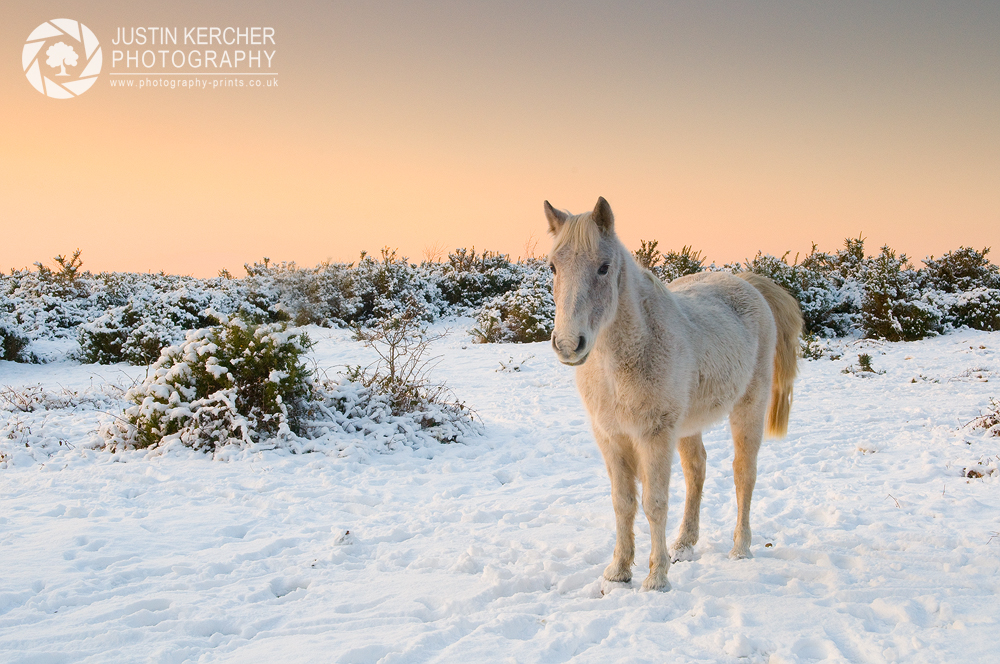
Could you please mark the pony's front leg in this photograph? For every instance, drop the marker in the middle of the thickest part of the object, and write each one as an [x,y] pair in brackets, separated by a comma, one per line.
[655,457]
[619,459]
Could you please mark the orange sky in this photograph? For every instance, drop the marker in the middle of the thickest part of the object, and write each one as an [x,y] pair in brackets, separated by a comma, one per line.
[729,126]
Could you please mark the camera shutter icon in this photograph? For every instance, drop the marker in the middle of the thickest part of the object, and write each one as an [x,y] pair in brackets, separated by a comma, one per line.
[62,58]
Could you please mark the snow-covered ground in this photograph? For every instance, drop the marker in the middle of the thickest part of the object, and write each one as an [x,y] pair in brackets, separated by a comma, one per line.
[870,543]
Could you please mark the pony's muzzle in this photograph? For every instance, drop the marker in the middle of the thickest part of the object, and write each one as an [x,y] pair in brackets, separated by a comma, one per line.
[570,352]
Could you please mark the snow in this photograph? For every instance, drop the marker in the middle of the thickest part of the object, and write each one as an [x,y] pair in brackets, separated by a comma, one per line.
[870,543]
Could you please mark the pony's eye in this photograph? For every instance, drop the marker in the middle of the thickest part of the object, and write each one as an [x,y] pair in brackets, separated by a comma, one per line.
[552,267]
[603,269]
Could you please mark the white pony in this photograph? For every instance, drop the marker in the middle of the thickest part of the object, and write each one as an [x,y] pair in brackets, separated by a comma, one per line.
[658,364]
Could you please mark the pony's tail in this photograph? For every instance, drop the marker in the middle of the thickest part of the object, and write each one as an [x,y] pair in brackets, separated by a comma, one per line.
[788,319]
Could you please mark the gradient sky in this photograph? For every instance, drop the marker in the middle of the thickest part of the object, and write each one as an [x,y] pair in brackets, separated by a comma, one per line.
[729,126]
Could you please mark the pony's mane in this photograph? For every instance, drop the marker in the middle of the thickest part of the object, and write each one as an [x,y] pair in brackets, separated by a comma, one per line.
[579,233]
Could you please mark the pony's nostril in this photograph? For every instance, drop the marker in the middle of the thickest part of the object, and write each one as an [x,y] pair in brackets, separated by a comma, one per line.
[583,342]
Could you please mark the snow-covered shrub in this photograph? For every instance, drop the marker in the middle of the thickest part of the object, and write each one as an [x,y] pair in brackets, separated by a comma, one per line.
[468,279]
[978,308]
[389,285]
[524,315]
[233,383]
[400,379]
[779,271]
[150,321]
[962,270]
[402,371]
[349,407]
[827,293]
[671,265]
[892,307]
[990,420]
[14,344]
[241,384]
[965,286]
[323,295]
[830,289]
[48,303]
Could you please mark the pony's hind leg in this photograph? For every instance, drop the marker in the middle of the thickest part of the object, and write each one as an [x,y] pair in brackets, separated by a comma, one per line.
[692,452]
[655,457]
[620,461]
[747,424]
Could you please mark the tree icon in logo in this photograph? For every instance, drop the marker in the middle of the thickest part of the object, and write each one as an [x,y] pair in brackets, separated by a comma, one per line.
[59,55]
[65,43]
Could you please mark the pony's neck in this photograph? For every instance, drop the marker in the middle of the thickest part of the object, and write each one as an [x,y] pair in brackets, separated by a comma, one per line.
[628,332]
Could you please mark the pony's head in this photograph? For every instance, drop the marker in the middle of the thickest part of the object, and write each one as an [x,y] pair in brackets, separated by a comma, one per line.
[587,263]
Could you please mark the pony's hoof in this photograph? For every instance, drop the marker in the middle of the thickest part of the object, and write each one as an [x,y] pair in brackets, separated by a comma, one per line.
[656,581]
[617,574]
[681,553]
[739,553]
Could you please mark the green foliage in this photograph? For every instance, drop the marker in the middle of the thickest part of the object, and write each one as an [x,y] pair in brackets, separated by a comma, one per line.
[865,363]
[232,383]
[825,285]
[813,347]
[647,255]
[966,286]
[678,264]
[67,279]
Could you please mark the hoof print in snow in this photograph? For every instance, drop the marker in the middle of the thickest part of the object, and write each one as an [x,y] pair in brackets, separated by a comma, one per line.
[607,587]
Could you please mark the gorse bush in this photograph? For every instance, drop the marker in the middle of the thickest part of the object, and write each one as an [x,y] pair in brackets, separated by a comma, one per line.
[13,342]
[524,315]
[884,296]
[232,383]
[671,265]
[345,294]
[390,285]
[137,331]
[241,384]
[128,317]
[966,287]
[958,271]
[891,307]
[468,279]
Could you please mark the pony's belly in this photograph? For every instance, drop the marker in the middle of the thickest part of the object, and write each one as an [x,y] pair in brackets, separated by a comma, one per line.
[640,412]
[698,422]
[711,405]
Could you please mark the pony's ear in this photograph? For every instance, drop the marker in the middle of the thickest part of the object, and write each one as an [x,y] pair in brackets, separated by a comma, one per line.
[556,218]
[603,217]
